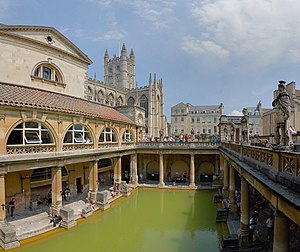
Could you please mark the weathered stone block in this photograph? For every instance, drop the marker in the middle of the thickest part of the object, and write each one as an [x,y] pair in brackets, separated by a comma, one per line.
[92,197]
[124,188]
[102,199]
[68,219]
[8,237]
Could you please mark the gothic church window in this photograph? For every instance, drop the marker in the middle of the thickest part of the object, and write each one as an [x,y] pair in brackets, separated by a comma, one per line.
[78,134]
[119,101]
[144,104]
[30,133]
[130,101]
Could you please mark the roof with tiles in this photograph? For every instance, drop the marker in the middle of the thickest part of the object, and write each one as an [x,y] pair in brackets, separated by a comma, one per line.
[25,97]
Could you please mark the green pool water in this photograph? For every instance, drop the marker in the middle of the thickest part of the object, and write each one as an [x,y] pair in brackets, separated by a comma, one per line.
[148,220]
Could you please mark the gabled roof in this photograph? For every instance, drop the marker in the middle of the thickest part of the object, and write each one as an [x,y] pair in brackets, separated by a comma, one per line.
[13,30]
[24,97]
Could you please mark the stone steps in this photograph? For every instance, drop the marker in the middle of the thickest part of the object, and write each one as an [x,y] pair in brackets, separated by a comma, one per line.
[31,226]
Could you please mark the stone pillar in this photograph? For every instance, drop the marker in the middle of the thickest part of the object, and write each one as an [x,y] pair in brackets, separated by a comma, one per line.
[133,169]
[225,183]
[117,170]
[161,170]
[244,204]
[192,170]
[231,184]
[281,233]
[2,198]
[56,190]
[93,181]
[26,189]
[244,220]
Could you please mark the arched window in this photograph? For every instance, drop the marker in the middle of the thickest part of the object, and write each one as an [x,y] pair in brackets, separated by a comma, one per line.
[49,72]
[144,104]
[130,101]
[30,133]
[90,94]
[100,96]
[111,99]
[127,136]
[78,134]
[108,135]
[119,101]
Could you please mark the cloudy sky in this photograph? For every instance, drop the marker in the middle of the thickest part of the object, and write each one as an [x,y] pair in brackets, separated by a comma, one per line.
[206,51]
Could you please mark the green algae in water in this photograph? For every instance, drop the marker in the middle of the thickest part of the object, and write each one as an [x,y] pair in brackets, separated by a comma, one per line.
[148,220]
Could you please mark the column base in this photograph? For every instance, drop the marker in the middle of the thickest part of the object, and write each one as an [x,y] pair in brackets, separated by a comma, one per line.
[161,184]
[192,185]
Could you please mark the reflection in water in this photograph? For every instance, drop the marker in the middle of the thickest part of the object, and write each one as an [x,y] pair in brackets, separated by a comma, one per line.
[149,220]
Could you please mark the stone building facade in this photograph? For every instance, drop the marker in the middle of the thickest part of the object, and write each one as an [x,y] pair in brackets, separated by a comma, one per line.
[202,120]
[118,89]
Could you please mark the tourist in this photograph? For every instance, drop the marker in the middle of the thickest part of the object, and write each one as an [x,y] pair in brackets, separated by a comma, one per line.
[292,132]
[38,200]
[186,138]
[12,205]
[56,220]
[49,198]
[252,226]
[269,225]
[141,177]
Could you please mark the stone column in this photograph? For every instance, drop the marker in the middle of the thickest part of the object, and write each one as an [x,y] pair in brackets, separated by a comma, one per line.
[244,205]
[93,176]
[133,169]
[26,188]
[56,190]
[2,198]
[231,184]
[192,170]
[161,170]
[225,183]
[117,170]
[93,181]
[281,233]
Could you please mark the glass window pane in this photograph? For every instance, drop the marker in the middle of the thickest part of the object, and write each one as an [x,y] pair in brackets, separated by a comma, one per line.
[32,137]
[46,137]
[16,137]
[78,138]
[46,73]
[77,127]
[101,139]
[31,125]
[68,137]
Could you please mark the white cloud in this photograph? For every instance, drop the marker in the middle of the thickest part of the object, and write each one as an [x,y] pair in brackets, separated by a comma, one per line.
[204,47]
[255,32]
[235,113]
[159,13]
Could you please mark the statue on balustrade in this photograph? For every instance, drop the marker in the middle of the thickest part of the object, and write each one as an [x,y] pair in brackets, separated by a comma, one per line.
[282,104]
[245,130]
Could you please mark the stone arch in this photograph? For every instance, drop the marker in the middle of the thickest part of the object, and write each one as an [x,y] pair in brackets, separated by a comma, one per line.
[206,168]
[178,168]
[152,170]
[87,129]
[90,93]
[111,99]
[100,96]
[44,124]
[144,104]
[205,172]
[131,101]
[120,101]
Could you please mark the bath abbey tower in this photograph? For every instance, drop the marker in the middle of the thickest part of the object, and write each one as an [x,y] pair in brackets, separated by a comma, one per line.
[120,91]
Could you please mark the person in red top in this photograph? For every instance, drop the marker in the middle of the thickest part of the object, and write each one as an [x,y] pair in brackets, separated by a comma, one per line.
[186,138]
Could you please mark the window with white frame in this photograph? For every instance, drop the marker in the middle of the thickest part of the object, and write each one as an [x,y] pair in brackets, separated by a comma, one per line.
[78,134]
[127,136]
[49,72]
[108,135]
[30,133]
